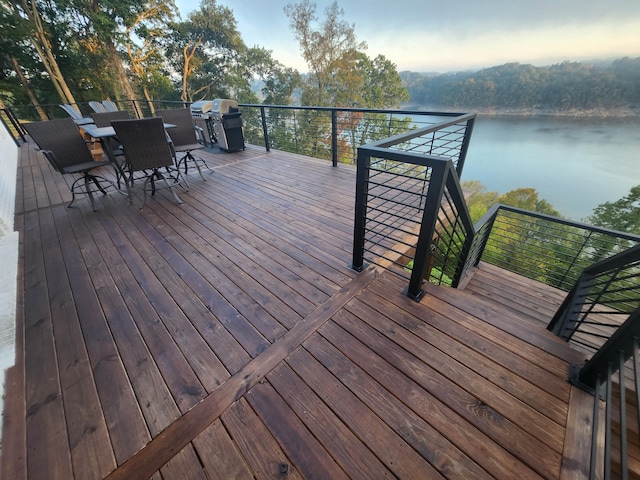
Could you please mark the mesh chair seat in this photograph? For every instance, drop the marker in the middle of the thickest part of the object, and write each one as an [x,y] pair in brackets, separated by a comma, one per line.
[62,144]
[146,148]
[187,148]
[184,138]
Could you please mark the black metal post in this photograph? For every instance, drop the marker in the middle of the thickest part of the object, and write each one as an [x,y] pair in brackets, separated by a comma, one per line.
[265,133]
[334,137]
[427,229]
[362,190]
[620,341]
[465,145]
[15,140]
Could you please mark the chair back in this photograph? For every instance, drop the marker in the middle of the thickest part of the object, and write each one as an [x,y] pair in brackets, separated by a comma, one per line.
[144,142]
[72,112]
[110,106]
[104,119]
[184,133]
[61,142]
[97,106]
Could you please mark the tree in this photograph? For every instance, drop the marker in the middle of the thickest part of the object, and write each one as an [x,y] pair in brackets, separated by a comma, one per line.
[280,85]
[341,75]
[25,22]
[146,59]
[205,50]
[622,215]
[329,50]
[527,199]
[479,199]
[108,26]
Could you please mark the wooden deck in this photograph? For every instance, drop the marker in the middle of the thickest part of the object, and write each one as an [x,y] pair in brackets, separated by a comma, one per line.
[228,338]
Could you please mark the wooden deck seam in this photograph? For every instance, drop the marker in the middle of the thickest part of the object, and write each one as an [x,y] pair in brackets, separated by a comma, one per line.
[181,432]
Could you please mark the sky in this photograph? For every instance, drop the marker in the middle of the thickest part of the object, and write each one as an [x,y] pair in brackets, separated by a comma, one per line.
[453,35]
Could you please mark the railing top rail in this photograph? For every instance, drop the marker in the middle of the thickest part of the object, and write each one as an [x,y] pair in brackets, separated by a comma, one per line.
[563,221]
[404,137]
[353,109]
[417,158]
[616,261]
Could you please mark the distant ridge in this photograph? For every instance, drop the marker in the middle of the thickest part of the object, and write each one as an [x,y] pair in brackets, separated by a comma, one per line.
[568,88]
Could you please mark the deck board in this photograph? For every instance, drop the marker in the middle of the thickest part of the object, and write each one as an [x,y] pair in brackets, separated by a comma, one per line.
[228,337]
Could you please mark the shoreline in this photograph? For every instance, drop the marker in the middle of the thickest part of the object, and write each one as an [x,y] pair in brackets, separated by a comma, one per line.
[622,112]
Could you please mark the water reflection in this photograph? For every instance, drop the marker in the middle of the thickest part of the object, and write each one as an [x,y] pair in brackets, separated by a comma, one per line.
[574,163]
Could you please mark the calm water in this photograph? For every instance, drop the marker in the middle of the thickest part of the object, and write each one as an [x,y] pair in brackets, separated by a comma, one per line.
[575,164]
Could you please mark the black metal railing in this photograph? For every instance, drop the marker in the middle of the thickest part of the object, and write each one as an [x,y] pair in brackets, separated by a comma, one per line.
[603,298]
[601,316]
[323,132]
[548,249]
[12,125]
[336,133]
[410,210]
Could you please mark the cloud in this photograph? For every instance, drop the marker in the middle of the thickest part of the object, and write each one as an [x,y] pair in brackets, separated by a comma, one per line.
[429,35]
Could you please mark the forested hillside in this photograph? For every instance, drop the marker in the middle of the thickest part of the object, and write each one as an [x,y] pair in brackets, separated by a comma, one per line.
[565,86]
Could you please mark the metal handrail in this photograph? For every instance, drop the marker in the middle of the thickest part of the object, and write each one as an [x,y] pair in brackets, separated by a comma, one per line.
[332,133]
[335,132]
[601,315]
[607,290]
[410,209]
[556,251]
[12,125]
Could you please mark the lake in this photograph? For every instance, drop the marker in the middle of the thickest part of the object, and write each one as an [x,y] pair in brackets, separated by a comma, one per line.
[574,163]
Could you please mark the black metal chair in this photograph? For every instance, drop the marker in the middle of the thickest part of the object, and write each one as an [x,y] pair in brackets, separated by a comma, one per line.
[63,145]
[104,119]
[183,137]
[147,149]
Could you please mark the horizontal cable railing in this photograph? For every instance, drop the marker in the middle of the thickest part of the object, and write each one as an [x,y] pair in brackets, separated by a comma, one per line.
[330,133]
[604,296]
[410,211]
[335,133]
[601,317]
[548,249]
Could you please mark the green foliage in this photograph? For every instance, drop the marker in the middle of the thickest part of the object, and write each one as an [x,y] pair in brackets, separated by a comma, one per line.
[479,200]
[622,215]
[565,86]
[340,74]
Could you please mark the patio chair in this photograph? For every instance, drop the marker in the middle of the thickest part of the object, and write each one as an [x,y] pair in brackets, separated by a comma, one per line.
[72,112]
[78,119]
[147,149]
[183,137]
[104,119]
[62,144]
[97,106]
[110,106]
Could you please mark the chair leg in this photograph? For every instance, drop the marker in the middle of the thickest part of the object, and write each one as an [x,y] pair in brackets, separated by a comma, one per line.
[87,186]
[173,192]
[97,184]
[197,162]
[156,174]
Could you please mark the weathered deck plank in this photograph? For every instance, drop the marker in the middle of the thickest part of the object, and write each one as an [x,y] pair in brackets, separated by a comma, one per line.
[228,337]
